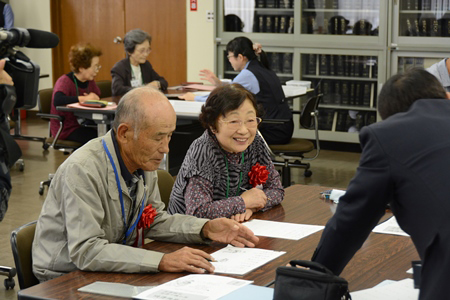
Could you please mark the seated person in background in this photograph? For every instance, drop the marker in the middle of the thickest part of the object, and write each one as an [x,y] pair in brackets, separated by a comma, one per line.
[76,86]
[404,163]
[214,180]
[104,199]
[256,76]
[441,70]
[135,70]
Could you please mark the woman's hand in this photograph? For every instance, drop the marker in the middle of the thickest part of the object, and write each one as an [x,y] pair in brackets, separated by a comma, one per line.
[187,97]
[243,217]
[209,76]
[254,198]
[87,97]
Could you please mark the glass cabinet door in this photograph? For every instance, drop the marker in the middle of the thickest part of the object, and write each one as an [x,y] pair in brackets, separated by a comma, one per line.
[416,21]
[266,16]
[340,17]
[403,60]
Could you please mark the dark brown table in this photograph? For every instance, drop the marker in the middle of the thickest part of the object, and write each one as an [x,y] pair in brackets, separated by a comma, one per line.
[381,257]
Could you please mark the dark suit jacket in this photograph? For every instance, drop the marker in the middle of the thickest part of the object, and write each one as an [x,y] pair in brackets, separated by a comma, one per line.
[405,162]
[121,76]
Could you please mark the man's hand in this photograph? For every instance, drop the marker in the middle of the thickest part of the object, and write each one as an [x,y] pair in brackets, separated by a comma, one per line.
[156,84]
[210,76]
[4,77]
[243,217]
[186,259]
[187,97]
[228,231]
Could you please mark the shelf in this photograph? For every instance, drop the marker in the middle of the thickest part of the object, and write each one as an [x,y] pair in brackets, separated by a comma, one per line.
[340,78]
[346,107]
[421,11]
[340,10]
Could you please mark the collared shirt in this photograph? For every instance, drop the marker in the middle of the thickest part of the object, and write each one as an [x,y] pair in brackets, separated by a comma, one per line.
[440,71]
[245,78]
[8,15]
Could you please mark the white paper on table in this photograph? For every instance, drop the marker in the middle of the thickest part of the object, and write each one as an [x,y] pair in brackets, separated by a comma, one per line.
[240,261]
[194,287]
[282,230]
[399,290]
[390,226]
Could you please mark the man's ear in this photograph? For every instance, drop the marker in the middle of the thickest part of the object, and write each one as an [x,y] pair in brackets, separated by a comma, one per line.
[124,133]
[448,95]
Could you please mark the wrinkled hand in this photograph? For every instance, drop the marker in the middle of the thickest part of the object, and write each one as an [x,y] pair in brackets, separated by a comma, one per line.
[209,76]
[4,76]
[257,47]
[155,84]
[242,217]
[228,231]
[87,97]
[254,198]
[188,97]
[186,259]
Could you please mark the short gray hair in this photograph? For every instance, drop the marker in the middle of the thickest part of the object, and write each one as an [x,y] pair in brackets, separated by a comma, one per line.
[130,109]
[135,37]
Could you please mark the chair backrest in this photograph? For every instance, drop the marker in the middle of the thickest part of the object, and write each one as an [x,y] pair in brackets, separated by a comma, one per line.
[21,243]
[45,100]
[306,119]
[105,88]
[165,184]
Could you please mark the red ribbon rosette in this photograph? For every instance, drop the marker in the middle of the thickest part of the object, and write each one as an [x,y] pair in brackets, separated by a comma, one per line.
[147,218]
[258,175]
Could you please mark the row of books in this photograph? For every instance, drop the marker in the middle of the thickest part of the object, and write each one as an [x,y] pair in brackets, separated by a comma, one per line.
[336,25]
[273,24]
[425,27]
[346,120]
[425,5]
[274,3]
[348,93]
[279,62]
[341,4]
[406,63]
[340,65]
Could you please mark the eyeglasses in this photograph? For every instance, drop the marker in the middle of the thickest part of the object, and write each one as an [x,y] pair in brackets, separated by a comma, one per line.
[236,124]
[229,56]
[144,50]
[97,68]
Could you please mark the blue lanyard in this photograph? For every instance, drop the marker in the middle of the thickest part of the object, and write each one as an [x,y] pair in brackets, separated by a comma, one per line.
[130,230]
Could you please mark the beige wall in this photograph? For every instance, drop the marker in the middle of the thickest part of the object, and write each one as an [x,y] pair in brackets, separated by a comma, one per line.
[200,40]
[35,14]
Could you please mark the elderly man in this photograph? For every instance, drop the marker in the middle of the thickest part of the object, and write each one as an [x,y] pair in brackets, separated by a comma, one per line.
[404,162]
[88,220]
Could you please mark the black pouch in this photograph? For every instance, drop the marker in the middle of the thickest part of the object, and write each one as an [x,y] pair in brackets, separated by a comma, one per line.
[315,283]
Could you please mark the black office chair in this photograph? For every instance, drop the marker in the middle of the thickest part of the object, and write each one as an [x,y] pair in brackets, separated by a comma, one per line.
[21,244]
[45,102]
[105,88]
[293,152]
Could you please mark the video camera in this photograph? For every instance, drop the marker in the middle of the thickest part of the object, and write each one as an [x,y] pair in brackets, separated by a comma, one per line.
[24,93]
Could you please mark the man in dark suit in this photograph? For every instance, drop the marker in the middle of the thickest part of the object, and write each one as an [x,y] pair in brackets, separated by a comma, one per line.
[405,163]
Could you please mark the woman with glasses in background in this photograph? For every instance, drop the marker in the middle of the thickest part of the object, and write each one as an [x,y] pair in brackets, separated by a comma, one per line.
[227,172]
[76,86]
[256,76]
[135,70]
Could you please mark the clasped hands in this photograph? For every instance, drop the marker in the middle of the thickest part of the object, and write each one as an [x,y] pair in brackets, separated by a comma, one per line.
[221,230]
[254,199]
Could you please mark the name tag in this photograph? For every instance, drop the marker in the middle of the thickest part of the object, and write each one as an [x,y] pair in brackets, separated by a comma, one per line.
[135,83]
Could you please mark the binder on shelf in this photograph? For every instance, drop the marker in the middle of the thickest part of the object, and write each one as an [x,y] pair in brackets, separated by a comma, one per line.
[324,64]
[345,93]
[260,3]
[409,63]
[374,67]
[332,67]
[401,65]
[326,90]
[268,25]
[276,24]
[283,24]
[352,96]
[341,121]
[326,119]
[373,95]
[271,4]
[287,63]
[337,92]
[340,65]
[291,25]
[419,62]
[312,65]
[366,94]
[351,66]
[358,94]
[365,70]
[274,62]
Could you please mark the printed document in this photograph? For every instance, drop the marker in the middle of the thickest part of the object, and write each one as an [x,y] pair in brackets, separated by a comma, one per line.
[194,287]
[390,226]
[282,230]
[240,261]
[398,290]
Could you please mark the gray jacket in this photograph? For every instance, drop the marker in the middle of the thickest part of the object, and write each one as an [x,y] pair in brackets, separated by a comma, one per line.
[81,224]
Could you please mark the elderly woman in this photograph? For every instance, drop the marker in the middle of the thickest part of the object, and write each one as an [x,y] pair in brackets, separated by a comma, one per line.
[76,86]
[257,77]
[135,70]
[227,172]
